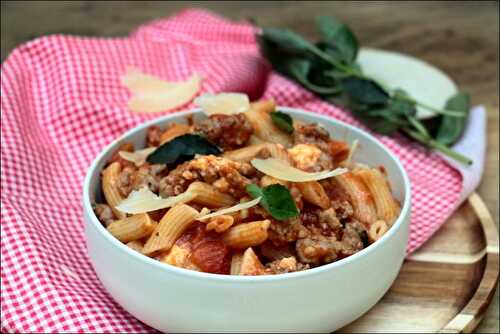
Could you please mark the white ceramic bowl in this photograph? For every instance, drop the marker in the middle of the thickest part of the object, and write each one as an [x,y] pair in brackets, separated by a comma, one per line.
[322,299]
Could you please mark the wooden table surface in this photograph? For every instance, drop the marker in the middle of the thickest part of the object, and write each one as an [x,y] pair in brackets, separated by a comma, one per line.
[461,38]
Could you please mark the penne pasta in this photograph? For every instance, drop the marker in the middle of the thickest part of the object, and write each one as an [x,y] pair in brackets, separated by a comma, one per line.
[132,228]
[263,199]
[264,128]
[135,245]
[174,130]
[250,264]
[377,230]
[387,207]
[110,179]
[254,140]
[170,228]
[247,234]
[361,198]
[207,195]
[264,106]
[267,180]
[245,154]
[236,264]
[220,223]
[277,151]
[314,193]
[339,151]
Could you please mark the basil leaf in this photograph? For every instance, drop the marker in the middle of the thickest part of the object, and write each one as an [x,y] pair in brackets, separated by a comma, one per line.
[451,127]
[364,91]
[339,41]
[283,121]
[276,200]
[182,148]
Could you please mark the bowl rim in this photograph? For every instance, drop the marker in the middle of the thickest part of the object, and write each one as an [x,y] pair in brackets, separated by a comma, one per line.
[94,221]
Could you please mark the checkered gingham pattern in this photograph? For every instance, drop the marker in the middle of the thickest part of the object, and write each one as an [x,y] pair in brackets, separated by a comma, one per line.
[62,103]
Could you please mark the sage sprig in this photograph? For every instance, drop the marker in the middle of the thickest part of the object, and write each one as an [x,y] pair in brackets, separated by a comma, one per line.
[328,68]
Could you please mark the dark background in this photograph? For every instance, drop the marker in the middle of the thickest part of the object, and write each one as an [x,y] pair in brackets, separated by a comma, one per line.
[461,38]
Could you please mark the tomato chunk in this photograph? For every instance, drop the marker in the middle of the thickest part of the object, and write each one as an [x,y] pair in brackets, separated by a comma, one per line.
[212,257]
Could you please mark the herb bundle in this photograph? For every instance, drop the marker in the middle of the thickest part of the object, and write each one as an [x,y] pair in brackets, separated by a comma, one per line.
[329,69]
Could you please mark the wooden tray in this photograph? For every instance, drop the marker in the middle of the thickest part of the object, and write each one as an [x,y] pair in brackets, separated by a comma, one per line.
[447,284]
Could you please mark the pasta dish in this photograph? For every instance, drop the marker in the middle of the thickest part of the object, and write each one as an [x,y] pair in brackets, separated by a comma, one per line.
[245,191]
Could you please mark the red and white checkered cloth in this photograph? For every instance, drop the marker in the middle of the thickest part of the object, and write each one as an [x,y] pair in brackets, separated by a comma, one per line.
[62,103]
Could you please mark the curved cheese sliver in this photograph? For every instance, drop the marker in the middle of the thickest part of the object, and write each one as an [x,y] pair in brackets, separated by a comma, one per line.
[144,200]
[281,170]
[235,208]
[151,94]
[224,103]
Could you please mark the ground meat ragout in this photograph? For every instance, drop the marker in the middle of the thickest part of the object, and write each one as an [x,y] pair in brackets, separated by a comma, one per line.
[252,240]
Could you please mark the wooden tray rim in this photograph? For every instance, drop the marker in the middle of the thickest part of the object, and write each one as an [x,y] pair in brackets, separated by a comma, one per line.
[473,312]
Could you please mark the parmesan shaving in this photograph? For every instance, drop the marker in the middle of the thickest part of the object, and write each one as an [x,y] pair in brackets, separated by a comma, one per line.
[235,208]
[151,94]
[137,157]
[144,200]
[281,170]
[354,147]
[224,103]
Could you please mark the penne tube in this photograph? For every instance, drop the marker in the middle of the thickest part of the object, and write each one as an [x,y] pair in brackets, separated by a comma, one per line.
[267,180]
[220,223]
[110,179]
[339,151]
[245,154]
[132,228]
[207,195]
[265,106]
[264,128]
[387,207]
[361,198]
[174,130]
[250,264]
[136,245]
[278,151]
[313,192]
[236,264]
[377,230]
[254,140]
[247,234]
[170,228]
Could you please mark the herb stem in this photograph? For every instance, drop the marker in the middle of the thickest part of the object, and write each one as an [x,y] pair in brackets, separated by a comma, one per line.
[438,146]
[347,69]
[449,152]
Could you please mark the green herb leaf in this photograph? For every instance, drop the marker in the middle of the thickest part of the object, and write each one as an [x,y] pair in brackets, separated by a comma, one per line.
[287,40]
[364,91]
[181,149]
[382,121]
[283,121]
[276,200]
[339,41]
[299,69]
[451,127]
